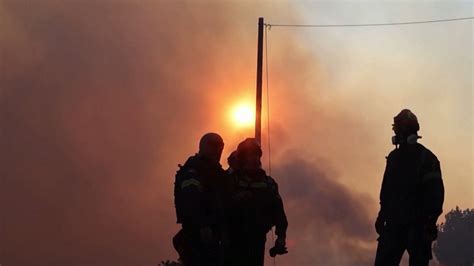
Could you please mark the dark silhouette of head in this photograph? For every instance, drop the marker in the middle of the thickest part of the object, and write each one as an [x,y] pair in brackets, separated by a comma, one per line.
[210,147]
[249,153]
[405,125]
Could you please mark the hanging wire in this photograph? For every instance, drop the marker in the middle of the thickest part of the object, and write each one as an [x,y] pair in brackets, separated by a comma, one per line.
[268,122]
[367,24]
[268,104]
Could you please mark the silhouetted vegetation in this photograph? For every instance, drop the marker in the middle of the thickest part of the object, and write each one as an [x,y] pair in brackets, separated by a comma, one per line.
[456,239]
[170,263]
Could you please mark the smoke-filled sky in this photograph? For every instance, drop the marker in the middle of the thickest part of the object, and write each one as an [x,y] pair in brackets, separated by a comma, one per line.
[101,100]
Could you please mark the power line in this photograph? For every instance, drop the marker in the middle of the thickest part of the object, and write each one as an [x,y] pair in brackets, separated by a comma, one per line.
[268,104]
[268,123]
[269,25]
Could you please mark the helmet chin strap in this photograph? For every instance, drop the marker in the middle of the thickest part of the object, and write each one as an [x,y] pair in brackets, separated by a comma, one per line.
[411,139]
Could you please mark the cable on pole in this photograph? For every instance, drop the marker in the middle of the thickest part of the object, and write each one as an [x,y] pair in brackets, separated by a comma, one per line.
[268,120]
[268,103]
[367,24]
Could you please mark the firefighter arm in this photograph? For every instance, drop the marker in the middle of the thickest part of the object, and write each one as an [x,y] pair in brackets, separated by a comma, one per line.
[381,217]
[384,193]
[281,222]
[281,225]
[433,191]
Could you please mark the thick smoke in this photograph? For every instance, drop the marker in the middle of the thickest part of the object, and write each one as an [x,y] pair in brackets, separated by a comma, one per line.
[101,100]
[330,225]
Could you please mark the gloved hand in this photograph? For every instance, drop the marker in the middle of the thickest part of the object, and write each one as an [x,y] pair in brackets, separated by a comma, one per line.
[279,248]
[380,225]
[206,235]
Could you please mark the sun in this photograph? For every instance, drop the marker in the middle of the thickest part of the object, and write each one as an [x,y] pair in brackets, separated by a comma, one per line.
[243,115]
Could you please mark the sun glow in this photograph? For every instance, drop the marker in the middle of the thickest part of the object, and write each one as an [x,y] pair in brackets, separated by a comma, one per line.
[243,115]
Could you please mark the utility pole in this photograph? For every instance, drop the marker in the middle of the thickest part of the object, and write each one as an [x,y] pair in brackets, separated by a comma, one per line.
[258,113]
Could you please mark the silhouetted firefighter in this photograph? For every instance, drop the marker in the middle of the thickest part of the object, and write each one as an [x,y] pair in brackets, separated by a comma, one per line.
[199,187]
[411,198]
[256,208]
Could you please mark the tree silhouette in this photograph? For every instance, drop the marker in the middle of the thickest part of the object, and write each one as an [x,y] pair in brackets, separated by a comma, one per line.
[169,263]
[455,245]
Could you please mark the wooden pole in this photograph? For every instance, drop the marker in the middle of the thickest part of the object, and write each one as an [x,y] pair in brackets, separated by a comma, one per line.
[258,113]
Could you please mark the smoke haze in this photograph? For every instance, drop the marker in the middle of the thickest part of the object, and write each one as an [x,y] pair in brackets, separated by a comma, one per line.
[101,100]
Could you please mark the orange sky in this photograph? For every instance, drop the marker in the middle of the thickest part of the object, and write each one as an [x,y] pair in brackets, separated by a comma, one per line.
[101,101]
